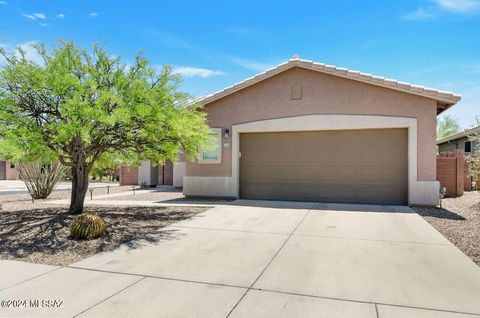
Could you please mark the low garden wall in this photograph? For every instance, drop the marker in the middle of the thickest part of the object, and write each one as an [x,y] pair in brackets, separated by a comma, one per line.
[128,175]
[452,173]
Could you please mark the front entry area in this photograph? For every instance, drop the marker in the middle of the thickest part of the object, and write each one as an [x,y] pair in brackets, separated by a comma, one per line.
[349,166]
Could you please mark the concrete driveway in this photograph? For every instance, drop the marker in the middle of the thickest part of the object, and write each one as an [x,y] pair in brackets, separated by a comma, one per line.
[264,259]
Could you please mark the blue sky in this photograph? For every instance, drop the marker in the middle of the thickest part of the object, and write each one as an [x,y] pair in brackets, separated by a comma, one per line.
[434,43]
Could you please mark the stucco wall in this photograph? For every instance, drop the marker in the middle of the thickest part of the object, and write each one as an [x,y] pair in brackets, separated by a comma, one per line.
[320,94]
[11,173]
[128,175]
[454,145]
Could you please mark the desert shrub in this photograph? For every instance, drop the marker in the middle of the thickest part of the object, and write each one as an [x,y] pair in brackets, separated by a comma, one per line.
[87,226]
[40,178]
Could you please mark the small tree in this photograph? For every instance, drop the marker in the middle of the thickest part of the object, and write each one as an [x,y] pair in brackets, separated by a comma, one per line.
[447,126]
[80,105]
[473,158]
[107,165]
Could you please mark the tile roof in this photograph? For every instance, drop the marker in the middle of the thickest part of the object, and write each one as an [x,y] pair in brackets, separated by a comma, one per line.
[446,98]
[456,136]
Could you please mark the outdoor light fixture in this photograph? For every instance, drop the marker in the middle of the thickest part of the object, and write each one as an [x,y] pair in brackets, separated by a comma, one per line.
[226,133]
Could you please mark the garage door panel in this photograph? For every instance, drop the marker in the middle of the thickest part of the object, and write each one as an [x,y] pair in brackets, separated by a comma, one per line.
[359,166]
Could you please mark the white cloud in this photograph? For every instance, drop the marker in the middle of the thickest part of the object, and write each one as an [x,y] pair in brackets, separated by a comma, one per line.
[250,64]
[4,3]
[94,14]
[438,7]
[30,52]
[40,16]
[61,16]
[419,14]
[35,16]
[29,16]
[189,71]
[459,6]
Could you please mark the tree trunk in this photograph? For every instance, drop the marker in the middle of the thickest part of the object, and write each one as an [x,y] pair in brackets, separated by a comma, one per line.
[79,187]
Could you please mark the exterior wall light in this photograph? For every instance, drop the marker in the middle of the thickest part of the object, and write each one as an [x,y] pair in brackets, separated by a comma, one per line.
[226,133]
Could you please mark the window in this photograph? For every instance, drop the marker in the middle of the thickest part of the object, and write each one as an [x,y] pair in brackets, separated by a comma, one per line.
[468,146]
[213,155]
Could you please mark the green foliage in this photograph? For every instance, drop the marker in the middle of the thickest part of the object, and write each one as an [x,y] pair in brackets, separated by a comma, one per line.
[447,126]
[473,158]
[93,97]
[79,105]
[107,165]
[87,226]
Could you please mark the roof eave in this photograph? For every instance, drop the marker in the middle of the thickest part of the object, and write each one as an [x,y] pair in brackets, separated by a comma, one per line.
[444,99]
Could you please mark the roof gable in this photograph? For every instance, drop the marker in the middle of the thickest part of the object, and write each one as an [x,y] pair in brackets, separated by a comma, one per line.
[444,99]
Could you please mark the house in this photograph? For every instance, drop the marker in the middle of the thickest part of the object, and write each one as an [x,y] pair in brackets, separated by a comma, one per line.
[307,131]
[148,174]
[8,171]
[457,141]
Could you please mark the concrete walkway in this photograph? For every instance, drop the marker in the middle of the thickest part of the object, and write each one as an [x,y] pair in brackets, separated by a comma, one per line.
[8,187]
[110,200]
[264,259]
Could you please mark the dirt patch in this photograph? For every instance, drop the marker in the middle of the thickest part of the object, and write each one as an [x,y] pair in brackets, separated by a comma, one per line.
[41,235]
[458,221]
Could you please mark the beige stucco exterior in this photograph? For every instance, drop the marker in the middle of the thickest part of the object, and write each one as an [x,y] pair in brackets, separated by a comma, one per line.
[456,144]
[302,92]
[10,173]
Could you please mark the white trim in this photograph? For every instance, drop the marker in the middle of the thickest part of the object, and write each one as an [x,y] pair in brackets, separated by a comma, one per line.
[179,171]
[218,135]
[419,192]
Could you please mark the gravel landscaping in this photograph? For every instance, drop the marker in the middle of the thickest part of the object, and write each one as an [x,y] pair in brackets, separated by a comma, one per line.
[170,196]
[62,194]
[459,221]
[40,233]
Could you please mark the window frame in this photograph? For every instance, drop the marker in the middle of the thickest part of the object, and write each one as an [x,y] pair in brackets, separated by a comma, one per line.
[465,146]
[218,133]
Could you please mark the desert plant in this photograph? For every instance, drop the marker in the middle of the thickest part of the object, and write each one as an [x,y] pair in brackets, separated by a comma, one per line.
[87,226]
[76,105]
[447,126]
[41,179]
[473,158]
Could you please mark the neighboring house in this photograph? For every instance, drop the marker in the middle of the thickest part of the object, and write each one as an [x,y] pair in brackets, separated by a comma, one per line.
[457,141]
[8,171]
[151,175]
[306,131]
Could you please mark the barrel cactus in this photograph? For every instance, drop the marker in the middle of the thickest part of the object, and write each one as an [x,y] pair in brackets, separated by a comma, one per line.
[87,226]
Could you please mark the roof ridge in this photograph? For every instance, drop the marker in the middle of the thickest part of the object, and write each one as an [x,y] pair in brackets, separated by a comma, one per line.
[439,95]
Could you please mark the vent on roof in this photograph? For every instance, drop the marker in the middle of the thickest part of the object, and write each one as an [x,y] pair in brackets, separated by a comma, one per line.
[297,92]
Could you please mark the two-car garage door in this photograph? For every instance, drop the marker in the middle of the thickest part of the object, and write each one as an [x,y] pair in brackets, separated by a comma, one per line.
[352,166]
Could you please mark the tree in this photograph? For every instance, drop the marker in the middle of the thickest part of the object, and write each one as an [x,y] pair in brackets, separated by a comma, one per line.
[78,105]
[473,158]
[447,126]
[107,166]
